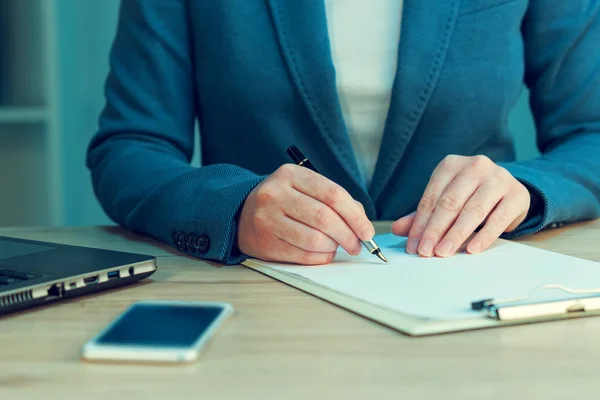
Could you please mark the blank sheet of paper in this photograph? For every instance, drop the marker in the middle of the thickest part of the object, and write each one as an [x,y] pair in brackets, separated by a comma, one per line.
[443,288]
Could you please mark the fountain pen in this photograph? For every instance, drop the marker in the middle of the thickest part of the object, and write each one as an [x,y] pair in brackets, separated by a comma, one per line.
[299,159]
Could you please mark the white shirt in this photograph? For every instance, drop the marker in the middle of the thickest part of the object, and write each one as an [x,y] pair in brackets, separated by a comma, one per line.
[364,37]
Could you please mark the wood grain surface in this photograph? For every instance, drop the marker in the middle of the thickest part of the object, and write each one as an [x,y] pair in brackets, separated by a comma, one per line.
[284,344]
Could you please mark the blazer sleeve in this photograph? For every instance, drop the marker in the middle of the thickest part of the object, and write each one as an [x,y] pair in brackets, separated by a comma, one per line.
[140,157]
[562,61]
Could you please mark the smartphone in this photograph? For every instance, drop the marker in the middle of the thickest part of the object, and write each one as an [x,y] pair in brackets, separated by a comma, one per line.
[158,331]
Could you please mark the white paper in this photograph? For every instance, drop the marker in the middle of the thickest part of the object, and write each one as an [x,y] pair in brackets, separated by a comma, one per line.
[443,288]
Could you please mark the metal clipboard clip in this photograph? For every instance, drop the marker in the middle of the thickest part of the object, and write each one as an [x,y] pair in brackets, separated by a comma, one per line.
[511,308]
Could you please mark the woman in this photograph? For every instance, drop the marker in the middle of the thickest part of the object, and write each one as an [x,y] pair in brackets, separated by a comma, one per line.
[402,106]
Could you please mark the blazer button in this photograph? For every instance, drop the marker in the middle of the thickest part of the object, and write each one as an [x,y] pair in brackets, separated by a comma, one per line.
[191,242]
[202,244]
[179,239]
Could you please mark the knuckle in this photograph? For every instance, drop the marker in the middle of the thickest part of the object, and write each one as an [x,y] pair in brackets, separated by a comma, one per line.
[481,162]
[334,194]
[433,233]
[460,232]
[288,168]
[449,160]
[476,209]
[458,235]
[427,203]
[448,202]
[500,219]
[322,216]
[286,171]
[264,194]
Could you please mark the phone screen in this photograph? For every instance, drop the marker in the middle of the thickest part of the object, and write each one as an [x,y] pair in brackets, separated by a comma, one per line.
[158,325]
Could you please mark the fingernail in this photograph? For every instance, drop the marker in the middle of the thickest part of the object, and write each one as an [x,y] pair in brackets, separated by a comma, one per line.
[445,248]
[411,247]
[426,248]
[474,247]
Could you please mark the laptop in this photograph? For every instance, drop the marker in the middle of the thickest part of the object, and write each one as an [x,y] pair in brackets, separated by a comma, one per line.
[34,273]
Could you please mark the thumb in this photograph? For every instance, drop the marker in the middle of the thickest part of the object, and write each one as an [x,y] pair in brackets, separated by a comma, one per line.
[402,226]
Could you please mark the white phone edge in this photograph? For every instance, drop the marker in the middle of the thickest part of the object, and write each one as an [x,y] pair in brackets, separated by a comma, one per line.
[92,351]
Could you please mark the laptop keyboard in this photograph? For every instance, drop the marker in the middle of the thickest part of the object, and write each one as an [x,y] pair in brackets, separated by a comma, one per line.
[11,277]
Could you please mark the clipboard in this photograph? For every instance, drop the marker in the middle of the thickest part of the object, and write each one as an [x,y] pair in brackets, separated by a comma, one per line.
[514,308]
[418,296]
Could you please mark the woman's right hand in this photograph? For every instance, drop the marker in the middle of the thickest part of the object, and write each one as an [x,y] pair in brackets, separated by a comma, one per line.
[299,216]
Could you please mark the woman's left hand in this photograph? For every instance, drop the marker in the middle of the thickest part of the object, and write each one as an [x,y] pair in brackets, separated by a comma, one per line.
[463,193]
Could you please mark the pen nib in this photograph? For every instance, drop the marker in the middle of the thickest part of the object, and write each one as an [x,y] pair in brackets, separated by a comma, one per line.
[381,256]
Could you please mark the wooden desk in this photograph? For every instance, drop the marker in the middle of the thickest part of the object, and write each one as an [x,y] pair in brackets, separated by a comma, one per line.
[282,343]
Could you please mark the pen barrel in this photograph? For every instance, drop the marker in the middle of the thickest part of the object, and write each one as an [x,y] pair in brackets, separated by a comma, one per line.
[306,163]
[370,245]
[300,159]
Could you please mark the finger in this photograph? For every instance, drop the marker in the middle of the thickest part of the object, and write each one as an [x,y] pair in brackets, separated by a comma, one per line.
[401,227]
[475,211]
[281,251]
[526,202]
[440,179]
[506,212]
[303,236]
[516,222]
[321,217]
[447,210]
[338,199]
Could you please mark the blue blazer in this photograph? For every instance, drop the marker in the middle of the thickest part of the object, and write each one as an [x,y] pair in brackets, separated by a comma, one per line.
[257,76]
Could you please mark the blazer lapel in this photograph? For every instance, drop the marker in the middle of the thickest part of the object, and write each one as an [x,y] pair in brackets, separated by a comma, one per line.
[301,26]
[427,28]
